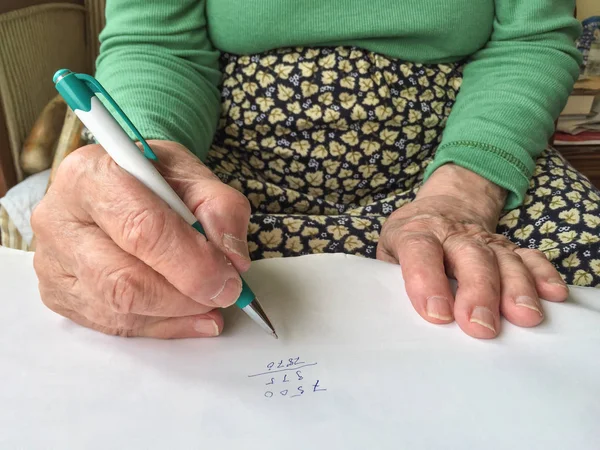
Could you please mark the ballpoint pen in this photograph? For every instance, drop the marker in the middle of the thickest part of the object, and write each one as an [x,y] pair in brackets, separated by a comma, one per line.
[79,91]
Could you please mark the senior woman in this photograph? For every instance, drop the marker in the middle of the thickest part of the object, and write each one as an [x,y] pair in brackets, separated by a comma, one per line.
[412,131]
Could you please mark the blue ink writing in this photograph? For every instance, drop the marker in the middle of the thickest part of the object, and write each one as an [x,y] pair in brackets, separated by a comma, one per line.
[299,390]
[294,362]
[316,385]
[282,370]
[285,365]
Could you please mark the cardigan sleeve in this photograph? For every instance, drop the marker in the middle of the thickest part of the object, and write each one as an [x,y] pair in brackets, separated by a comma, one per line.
[158,63]
[513,90]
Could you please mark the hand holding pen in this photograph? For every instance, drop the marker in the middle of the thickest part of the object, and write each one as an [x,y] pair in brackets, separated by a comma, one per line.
[114,256]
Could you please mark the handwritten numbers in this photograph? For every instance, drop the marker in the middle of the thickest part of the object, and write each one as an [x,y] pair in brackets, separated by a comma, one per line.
[315,387]
[299,390]
[283,368]
[294,362]
[279,372]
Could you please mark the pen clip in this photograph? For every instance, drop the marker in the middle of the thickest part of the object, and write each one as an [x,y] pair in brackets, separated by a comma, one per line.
[95,86]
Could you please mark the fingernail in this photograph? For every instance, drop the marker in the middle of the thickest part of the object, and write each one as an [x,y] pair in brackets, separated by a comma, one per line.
[229,293]
[558,282]
[206,327]
[237,246]
[530,303]
[484,317]
[439,308]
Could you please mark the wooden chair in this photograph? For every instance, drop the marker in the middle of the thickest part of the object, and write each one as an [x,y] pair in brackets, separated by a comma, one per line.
[37,37]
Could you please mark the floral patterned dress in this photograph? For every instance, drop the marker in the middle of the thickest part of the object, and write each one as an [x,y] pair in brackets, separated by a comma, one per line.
[327,142]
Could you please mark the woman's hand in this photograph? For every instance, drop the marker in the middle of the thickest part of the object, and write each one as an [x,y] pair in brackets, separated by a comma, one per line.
[114,257]
[448,230]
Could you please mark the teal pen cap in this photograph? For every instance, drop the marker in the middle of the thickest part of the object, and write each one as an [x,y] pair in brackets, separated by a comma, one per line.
[78,89]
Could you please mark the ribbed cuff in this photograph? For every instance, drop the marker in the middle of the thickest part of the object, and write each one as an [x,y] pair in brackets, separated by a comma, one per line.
[492,163]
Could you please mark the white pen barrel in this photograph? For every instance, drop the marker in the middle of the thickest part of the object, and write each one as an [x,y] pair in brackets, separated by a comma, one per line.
[127,155]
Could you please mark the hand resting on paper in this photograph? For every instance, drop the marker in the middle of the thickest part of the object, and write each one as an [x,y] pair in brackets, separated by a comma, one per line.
[114,257]
[449,230]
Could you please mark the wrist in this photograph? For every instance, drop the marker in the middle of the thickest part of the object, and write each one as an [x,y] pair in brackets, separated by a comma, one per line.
[480,196]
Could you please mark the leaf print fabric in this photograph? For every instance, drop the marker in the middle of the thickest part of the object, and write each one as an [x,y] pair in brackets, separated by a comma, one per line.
[555,219]
[327,142]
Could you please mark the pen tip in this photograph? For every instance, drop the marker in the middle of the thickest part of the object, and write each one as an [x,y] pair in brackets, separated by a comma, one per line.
[275,335]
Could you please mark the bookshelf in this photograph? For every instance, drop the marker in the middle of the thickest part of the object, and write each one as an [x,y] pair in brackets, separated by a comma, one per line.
[585,158]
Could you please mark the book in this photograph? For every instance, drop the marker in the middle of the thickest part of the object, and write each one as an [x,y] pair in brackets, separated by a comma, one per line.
[587,86]
[580,105]
[584,138]
[578,123]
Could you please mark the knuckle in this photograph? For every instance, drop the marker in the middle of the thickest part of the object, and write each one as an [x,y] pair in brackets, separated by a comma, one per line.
[46,220]
[232,201]
[122,290]
[49,299]
[511,265]
[121,332]
[77,164]
[244,206]
[144,230]
[531,253]
[130,322]
[474,247]
[389,230]
[240,201]
[511,258]
[39,217]
[416,240]
[40,264]
[480,238]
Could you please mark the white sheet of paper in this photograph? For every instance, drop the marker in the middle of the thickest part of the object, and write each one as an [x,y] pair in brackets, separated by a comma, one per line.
[355,368]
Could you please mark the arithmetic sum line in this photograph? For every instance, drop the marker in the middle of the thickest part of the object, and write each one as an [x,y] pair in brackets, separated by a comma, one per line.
[282,370]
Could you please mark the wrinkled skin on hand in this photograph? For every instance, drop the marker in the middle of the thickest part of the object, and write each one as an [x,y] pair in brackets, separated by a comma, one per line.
[448,230]
[112,256]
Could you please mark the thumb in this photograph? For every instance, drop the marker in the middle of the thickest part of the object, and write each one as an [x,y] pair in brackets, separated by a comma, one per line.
[223,211]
